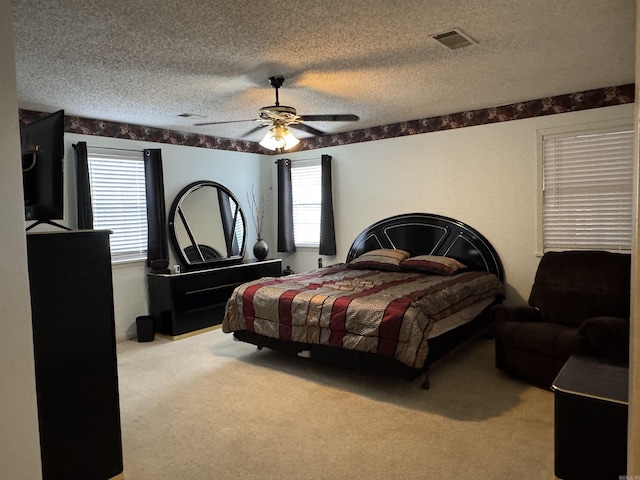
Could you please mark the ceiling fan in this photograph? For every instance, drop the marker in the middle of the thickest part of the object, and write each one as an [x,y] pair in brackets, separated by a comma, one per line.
[280,118]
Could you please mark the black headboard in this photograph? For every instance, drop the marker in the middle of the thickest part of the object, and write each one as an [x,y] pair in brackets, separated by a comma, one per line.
[430,234]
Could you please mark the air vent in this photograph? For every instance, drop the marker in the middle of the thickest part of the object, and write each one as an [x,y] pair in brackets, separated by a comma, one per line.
[454,39]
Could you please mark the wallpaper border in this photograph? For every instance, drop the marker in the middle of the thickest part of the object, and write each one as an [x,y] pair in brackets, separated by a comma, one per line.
[572,102]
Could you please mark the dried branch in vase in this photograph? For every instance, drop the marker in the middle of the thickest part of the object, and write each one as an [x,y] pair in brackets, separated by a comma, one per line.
[257,210]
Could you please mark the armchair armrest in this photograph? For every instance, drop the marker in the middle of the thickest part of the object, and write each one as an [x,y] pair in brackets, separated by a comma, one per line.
[608,338]
[516,313]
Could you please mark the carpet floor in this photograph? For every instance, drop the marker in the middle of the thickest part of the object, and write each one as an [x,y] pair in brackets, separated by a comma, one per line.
[208,407]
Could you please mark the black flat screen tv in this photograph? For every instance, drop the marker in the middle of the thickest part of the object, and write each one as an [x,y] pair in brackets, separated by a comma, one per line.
[42,148]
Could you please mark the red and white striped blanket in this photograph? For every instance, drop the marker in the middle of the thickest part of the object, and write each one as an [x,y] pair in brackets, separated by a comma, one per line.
[388,313]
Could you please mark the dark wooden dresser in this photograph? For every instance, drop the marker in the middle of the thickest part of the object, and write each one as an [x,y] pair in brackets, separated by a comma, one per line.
[591,420]
[185,303]
[75,355]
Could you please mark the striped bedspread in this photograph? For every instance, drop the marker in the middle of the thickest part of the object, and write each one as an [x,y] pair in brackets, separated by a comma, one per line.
[388,313]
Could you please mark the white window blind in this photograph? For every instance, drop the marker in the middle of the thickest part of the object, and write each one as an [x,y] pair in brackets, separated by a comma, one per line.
[239,230]
[588,191]
[307,198]
[118,199]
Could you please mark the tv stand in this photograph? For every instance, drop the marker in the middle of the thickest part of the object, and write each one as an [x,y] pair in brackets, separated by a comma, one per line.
[48,222]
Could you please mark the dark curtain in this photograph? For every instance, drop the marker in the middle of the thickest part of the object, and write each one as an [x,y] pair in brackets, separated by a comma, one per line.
[228,223]
[83,188]
[285,207]
[157,248]
[327,229]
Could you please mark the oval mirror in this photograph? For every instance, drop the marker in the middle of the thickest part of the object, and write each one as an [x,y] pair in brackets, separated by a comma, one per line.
[207,226]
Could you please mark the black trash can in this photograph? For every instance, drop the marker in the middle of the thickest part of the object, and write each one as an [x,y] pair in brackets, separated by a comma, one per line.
[144,326]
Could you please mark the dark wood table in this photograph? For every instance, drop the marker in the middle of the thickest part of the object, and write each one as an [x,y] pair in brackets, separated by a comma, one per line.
[591,403]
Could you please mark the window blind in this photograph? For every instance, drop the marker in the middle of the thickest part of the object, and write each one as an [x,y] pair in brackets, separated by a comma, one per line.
[588,191]
[118,198]
[239,229]
[307,198]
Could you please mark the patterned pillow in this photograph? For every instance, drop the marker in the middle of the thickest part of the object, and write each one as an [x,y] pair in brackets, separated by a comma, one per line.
[433,264]
[381,259]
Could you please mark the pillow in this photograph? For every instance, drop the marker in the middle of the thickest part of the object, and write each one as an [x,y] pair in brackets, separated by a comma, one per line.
[381,259]
[433,264]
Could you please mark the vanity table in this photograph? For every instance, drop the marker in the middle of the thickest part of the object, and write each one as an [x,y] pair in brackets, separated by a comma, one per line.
[208,229]
[187,303]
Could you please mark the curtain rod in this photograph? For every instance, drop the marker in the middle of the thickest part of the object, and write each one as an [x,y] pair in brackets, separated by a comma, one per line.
[300,159]
[114,148]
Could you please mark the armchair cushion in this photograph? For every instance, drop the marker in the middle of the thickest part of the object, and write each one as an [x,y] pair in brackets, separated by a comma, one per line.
[555,340]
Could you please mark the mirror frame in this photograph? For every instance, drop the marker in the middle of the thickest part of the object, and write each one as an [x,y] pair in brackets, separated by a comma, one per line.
[182,257]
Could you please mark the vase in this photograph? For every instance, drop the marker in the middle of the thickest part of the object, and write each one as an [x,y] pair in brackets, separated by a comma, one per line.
[261,249]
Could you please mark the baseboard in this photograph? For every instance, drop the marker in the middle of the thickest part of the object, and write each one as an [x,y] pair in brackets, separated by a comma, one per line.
[188,334]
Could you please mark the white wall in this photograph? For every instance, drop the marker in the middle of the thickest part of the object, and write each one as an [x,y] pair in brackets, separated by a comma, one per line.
[633,429]
[485,176]
[19,442]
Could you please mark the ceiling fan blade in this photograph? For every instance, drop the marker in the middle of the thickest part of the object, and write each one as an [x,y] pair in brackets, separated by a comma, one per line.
[330,118]
[306,128]
[254,130]
[229,121]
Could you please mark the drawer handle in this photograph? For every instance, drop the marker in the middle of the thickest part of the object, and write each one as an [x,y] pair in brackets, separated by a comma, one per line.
[211,289]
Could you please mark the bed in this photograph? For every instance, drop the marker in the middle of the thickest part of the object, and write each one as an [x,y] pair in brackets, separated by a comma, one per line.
[413,287]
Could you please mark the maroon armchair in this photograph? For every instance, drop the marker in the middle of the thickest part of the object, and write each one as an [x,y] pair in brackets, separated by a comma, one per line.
[579,302]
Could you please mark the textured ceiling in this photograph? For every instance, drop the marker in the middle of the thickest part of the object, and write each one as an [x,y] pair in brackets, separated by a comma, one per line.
[147,61]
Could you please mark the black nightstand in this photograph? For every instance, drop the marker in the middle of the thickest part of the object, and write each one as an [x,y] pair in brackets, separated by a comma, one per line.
[591,403]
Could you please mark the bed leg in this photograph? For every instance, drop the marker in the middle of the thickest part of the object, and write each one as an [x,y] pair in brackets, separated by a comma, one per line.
[259,347]
[426,384]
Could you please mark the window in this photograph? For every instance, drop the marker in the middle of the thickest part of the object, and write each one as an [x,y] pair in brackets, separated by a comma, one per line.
[307,198]
[239,229]
[118,199]
[587,199]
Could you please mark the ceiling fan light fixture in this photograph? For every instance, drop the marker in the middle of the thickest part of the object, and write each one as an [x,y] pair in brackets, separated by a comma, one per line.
[290,139]
[279,138]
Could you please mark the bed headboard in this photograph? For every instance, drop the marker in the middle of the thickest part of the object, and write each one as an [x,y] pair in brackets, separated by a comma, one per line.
[430,234]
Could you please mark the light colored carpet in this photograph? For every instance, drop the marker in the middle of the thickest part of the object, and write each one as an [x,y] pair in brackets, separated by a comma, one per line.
[208,407]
